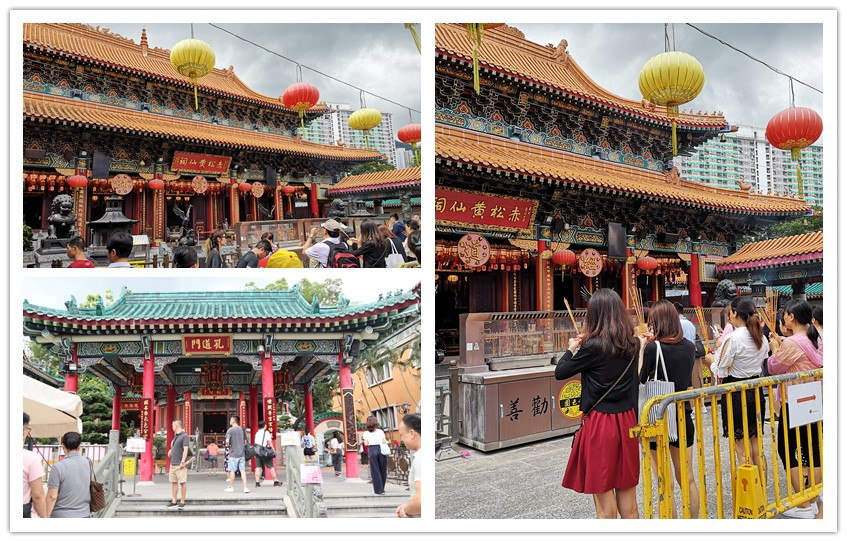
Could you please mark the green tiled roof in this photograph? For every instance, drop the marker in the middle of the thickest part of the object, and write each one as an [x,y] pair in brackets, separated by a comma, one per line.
[140,307]
[812,290]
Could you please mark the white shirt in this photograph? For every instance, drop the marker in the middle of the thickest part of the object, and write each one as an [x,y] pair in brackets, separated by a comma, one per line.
[308,441]
[415,471]
[739,357]
[374,438]
[263,437]
[333,446]
[120,264]
[320,251]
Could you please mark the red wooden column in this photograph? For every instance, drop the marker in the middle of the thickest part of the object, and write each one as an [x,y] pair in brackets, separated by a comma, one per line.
[268,401]
[313,201]
[625,278]
[72,377]
[504,291]
[169,416]
[348,409]
[695,292]
[147,390]
[278,210]
[654,286]
[186,413]
[254,417]
[116,409]
[543,280]
[233,205]
[310,412]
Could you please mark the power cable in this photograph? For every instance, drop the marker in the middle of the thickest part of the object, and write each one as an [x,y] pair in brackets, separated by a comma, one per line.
[360,89]
[751,57]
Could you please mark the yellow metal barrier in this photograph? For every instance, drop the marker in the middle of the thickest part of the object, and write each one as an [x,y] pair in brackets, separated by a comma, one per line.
[756,486]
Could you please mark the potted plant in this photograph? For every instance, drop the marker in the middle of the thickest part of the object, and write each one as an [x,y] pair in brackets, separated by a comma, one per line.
[27,238]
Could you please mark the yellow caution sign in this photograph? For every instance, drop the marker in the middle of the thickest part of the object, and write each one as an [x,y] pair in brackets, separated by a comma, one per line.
[706,375]
[129,466]
[569,397]
[749,493]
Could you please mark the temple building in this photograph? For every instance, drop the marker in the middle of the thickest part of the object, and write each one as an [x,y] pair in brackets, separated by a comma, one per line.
[396,190]
[115,111]
[548,187]
[201,357]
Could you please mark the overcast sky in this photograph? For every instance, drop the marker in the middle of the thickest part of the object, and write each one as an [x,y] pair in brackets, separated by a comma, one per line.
[746,91]
[359,287]
[380,58]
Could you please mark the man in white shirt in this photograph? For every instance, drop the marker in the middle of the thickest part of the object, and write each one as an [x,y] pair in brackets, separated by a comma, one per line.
[118,249]
[263,438]
[320,251]
[410,432]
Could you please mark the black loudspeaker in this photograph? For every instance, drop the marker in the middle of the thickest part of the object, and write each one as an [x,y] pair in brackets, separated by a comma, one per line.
[557,225]
[35,154]
[270,176]
[354,348]
[100,166]
[667,237]
[617,241]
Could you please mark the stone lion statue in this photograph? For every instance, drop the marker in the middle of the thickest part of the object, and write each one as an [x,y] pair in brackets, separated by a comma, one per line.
[338,209]
[62,222]
[725,292]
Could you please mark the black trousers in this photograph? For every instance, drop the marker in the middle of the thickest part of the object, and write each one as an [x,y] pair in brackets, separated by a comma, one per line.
[379,468]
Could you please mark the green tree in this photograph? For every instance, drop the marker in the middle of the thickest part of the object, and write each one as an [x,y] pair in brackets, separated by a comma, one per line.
[787,228]
[371,167]
[96,410]
[327,291]
[42,356]
[91,299]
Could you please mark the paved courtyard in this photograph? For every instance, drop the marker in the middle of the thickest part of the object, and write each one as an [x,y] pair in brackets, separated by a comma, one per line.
[525,482]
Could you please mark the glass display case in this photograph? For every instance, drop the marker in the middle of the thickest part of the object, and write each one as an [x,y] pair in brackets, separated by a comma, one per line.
[527,334]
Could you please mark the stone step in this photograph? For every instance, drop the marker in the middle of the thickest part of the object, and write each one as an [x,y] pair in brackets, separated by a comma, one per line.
[203,510]
[130,502]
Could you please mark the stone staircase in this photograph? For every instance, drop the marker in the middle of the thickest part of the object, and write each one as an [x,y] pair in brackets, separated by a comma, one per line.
[237,504]
[365,505]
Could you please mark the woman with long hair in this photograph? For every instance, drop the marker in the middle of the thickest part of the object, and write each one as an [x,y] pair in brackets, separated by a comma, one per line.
[816,329]
[213,250]
[678,353]
[372,245]
[795,353]
[394,240]
[740,357]
[374,438]
[604,460]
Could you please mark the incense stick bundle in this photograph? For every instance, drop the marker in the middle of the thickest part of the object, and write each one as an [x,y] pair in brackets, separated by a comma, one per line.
[635,294]
[573,320]
[704,331]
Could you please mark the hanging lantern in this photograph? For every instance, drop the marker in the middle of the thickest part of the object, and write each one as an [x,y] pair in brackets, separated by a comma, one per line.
[156,184]
[411,28]
[258,189]
[671,79]
[475,32]
[411,135]
[564,258]
[794,129]
[364,119]
[77,181]
[193,58]
[647,264]
[288,189]
[300,97]
[245,187]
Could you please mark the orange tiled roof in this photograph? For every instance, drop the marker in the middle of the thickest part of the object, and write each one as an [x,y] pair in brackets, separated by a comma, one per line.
[59,109]
[807,246]
[117,51]
[505,49]
[486,151]
[395,178]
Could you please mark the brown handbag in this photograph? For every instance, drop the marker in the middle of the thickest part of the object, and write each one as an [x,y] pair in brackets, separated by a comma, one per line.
[98,494]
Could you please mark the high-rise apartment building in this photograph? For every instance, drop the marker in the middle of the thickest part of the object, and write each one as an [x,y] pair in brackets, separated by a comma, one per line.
[747,154]
[329,129]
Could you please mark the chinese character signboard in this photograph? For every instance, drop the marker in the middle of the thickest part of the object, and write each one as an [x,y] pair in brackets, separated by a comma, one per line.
[202,345]
[186,414]
[146,424]
[481,211]
[569,399]
[590,262]
[348,408]
[189,162]
[474,250]
[270,414]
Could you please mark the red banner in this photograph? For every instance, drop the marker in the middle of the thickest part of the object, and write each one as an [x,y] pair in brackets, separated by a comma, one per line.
[242,412]
[270,415]
[195,345]
[146,424]
[189,162]
[482,211]
[130,405]
[186,414]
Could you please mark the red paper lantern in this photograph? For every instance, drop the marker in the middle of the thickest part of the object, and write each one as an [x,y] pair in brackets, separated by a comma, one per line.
[300,97]
[647,263]
[77,181]
[794,129]
[245,187]
[156,184]
[564,257]
[411,134]
[288,189]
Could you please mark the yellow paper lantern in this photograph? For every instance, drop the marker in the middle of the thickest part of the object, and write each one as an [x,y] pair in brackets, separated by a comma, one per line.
[671,79]
[364,119]
[193,58]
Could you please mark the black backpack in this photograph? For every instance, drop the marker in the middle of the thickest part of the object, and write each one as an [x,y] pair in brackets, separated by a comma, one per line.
[340,256]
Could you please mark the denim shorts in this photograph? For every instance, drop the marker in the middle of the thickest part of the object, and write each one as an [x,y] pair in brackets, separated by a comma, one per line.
[235,464]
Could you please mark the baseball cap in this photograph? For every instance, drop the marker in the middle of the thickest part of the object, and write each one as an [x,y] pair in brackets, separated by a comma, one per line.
[332,225]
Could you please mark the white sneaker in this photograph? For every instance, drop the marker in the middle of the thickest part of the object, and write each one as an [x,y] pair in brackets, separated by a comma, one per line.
[800,513]
[246,490]
[229,490]
[705,410]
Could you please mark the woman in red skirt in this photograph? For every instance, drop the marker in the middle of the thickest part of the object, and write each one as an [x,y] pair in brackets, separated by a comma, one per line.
[604,460]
